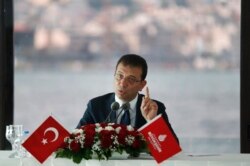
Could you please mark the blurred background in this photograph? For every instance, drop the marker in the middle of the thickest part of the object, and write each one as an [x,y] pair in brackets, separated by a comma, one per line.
[66,52]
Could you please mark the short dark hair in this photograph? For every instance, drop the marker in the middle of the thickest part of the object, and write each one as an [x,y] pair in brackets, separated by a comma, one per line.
[134,60]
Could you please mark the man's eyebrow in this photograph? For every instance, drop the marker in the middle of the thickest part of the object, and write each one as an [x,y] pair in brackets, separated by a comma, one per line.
[120,72]
[132,76]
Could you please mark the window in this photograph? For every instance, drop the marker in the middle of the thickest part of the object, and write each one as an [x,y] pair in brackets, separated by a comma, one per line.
[65,49]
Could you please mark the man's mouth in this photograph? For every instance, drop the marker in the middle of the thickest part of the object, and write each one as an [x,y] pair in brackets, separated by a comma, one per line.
[121,91]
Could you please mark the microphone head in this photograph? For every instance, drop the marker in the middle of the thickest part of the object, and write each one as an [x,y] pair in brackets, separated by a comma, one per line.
[115,106]
[126,106]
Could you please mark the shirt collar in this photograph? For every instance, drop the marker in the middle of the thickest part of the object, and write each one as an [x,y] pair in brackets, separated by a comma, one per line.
[132,102]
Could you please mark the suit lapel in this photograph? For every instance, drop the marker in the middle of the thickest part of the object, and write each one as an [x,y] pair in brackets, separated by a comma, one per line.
[139,119]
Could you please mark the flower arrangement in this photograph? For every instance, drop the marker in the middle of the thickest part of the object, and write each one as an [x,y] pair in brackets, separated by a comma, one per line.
[102,140]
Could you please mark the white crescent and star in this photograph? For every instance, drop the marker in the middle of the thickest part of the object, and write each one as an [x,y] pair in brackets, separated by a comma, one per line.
[51,129]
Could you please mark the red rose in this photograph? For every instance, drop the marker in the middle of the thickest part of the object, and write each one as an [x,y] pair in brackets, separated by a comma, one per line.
[123,128]
[89,131]
[89,140]
[75,146]
[105,138]
[132,133]
[136,144]
[103,125]
[116,125]
[88,127]
[121,136]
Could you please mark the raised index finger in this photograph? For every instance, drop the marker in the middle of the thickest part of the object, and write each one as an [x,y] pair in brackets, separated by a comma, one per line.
[147,92]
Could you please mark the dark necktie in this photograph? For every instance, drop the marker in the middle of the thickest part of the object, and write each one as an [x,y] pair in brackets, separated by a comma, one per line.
[125,120]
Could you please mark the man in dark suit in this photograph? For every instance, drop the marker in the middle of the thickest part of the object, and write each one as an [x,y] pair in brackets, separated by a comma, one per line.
[130,74]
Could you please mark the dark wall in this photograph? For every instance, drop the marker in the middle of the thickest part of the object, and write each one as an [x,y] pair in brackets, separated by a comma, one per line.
[245,75]
[6,69]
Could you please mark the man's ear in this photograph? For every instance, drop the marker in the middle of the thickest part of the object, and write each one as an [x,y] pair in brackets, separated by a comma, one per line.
[143,83]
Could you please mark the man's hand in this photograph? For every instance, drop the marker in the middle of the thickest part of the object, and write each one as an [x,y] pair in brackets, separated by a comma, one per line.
[149,108]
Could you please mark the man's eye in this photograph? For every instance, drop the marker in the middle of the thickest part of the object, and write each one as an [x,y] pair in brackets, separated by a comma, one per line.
[120,76]
[131,79]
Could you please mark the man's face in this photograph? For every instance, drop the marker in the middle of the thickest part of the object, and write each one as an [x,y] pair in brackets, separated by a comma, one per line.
[128,82]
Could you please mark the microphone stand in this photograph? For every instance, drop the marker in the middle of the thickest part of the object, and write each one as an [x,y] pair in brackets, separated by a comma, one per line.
[114,107]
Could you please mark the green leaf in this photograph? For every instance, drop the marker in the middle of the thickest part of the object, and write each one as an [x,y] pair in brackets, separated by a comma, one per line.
[64,153]
[77,158]
[86,153]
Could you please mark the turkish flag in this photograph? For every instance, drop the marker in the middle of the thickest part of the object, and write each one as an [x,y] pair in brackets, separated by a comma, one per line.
[45,139]
[162,143]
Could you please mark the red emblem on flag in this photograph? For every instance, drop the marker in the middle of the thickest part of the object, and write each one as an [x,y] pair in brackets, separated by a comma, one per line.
[45,139]
[162,143]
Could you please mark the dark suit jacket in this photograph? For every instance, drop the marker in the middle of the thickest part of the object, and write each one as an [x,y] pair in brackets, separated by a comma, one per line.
[99,108]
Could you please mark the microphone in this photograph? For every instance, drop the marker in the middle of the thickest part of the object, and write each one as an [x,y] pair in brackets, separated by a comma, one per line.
[124,107]
[114,107]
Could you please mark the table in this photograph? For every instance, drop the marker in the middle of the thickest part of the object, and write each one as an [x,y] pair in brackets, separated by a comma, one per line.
[180,159]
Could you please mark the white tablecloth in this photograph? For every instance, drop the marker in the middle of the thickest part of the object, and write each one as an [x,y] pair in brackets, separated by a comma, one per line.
[180,159]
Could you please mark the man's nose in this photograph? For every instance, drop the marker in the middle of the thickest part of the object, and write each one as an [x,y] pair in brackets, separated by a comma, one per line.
[123,82]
